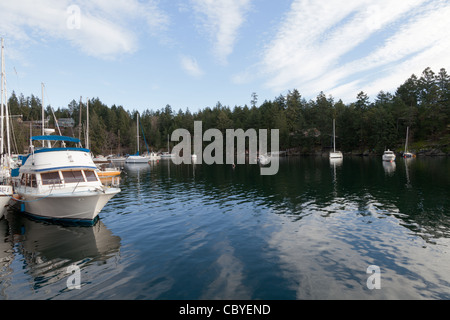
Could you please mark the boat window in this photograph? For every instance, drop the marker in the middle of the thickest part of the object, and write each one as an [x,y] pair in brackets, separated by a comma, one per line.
[50,178]
[28,180]
[90,175]
[72,176]
[31,181]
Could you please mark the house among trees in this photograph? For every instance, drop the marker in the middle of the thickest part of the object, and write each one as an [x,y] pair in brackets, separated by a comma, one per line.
[66,123]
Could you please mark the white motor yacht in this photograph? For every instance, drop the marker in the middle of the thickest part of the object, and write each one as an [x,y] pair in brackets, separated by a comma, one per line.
[389,156]
[61,183]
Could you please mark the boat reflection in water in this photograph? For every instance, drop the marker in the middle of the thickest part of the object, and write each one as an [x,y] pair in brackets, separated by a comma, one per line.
[6,257]
[389,167]
[48,250]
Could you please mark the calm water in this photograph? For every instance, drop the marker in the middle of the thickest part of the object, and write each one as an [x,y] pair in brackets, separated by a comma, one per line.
[211,232]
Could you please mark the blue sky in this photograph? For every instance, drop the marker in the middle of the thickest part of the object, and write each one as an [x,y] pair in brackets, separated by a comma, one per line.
[194,53]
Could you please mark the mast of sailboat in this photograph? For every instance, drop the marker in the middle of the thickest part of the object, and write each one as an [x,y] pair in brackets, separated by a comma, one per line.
[43,112]
[406,144]
[2,99]
[87,124]
[137,133]
[119,142]
[79,119]
[334,135]
[8,142]
[4,110]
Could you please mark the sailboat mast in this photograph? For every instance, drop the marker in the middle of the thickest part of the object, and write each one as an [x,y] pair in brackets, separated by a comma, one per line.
[79,119]
[137,133]
[407,135]
[334,135]
[8,142]
[2,99]
[4,111]
[87,124]
[43,115]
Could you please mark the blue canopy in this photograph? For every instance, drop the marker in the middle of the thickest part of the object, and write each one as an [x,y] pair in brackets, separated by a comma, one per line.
[55,138]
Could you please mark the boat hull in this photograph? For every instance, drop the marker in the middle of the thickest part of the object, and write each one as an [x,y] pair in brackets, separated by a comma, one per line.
[336,155]
[80,206]
[136,159]
[6,193]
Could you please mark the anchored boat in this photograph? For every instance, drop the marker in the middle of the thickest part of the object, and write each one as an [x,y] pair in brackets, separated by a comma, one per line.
[335,154]
[61,183]
[389,156]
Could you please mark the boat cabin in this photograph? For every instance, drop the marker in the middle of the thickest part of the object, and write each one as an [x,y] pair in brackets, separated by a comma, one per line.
[57,179]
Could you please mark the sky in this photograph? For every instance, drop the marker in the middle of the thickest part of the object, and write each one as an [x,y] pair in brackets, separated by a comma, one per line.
[192,54]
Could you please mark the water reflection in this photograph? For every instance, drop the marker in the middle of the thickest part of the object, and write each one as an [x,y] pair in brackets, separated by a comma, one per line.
[46,250]
[374,187]
[389,167]
[218,232]
[324,222]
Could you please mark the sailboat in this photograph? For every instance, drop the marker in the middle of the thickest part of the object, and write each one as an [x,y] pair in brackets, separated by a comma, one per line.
[407,154]
[335,154]
[6,188]
[137,158]
[60,183]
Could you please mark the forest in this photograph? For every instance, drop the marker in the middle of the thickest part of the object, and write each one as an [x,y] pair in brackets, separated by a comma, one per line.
[363,126]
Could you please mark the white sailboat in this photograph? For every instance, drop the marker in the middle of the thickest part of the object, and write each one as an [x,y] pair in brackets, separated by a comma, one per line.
[137,158]
[6,188]
[335,154]
[407,154]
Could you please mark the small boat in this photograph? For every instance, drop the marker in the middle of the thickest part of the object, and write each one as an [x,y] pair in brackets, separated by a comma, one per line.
[389,156]
[100,159]
[105,172]
[407,154]
[335,154]
[137,158]
[167,155]
[61,183]
[154,157]
[117,159]
[109,176]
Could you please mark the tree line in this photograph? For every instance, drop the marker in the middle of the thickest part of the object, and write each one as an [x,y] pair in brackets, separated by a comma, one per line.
[421,103]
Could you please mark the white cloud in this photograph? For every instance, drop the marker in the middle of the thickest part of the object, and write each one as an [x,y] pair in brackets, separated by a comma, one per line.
[312,47]
[222,20]
[191,66]
[103,29]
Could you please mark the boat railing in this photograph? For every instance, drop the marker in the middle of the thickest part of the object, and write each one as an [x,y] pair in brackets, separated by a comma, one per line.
[76,186]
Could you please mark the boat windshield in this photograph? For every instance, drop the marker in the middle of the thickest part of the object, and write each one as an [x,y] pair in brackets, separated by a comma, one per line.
[49,178]
[73,176]
[90,175]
